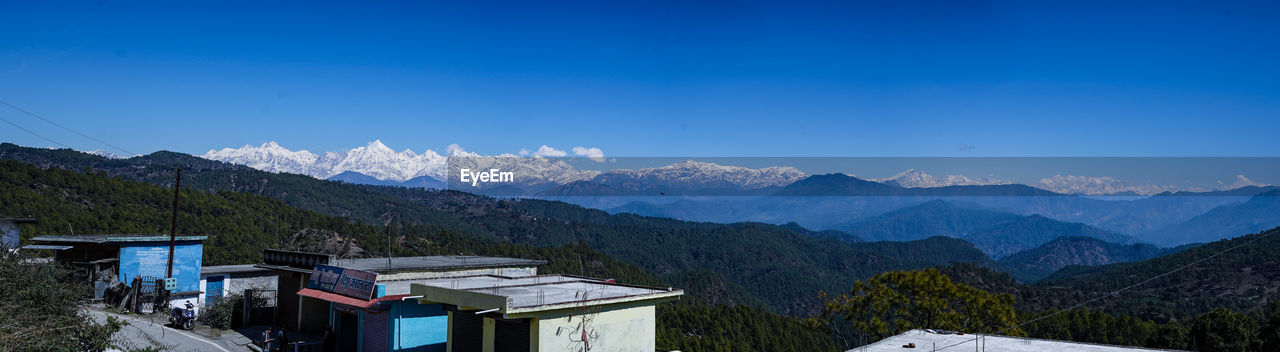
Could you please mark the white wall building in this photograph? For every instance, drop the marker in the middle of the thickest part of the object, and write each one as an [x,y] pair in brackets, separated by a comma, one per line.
[545,313]
[225,280]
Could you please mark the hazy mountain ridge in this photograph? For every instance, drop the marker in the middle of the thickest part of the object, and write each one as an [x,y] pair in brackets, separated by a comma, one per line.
[1033,231]
[835,201]
[996,233]
[1037,263]
[1260,212]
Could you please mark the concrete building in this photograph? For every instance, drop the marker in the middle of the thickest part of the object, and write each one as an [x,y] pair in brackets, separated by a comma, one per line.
[308,309]
[928,340]
[544,313]
[224,280]
[100,259]
[10,233]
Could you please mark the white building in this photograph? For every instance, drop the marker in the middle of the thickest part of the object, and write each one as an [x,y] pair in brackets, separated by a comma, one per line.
[224,280]
[545,313]
[929,340]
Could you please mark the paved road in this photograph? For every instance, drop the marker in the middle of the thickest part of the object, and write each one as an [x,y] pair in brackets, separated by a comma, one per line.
[151,331]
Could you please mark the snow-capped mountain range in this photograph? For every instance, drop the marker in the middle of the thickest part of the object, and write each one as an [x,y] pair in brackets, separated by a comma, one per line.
[536,171]
[913,178]
[105,154]
[375,160]
[690,173]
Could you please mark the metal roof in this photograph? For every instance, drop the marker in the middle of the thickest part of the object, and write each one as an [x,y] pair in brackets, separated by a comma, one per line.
[337,298]
[115,238]
[230,269]
[396,287]
[449,262]
[46,246]
[20,220]
[411,264]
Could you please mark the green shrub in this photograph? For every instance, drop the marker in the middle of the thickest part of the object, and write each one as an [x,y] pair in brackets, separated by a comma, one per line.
[220,314]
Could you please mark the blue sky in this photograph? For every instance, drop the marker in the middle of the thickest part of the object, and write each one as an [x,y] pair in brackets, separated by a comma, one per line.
[895,78]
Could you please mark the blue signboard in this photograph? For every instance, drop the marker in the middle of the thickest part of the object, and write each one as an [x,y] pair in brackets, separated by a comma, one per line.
[152,259]
[347,282]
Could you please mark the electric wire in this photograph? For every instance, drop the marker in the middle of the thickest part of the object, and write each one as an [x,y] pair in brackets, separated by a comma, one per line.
[1116,292]
[33,133]
[62,127]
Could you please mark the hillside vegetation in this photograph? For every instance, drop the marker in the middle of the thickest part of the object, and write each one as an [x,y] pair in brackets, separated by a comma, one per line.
[240,225]
[773,265]
[1034,264]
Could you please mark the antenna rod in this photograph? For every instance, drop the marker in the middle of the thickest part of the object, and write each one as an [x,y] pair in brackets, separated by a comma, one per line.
[173,225]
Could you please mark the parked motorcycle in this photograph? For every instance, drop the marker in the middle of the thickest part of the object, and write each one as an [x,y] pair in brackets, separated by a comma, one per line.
[183,318]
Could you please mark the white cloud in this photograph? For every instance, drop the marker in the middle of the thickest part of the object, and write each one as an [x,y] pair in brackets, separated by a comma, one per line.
[544,150]
[1242,181]
[455,150]
[592,153]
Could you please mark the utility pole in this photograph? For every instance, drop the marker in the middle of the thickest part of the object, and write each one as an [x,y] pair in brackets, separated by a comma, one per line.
[173,224]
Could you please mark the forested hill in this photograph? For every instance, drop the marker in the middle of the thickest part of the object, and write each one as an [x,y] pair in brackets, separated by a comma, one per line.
[326,197]
[240,225]
[1034,264]
[1244,280]
[772,265]
[996,233]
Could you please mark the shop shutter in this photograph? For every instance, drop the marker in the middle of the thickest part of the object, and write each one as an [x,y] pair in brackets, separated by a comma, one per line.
[468,332]
[511,336]
[376,331]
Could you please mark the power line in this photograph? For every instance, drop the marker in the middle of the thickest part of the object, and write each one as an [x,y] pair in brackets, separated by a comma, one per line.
[33,133]
[1116,292]
[62,127]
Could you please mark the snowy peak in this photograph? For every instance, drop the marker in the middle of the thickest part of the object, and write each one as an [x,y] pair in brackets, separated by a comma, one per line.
[912,178]
[690,174]
[380,162]
[105,154]
[268,157]
[375,160]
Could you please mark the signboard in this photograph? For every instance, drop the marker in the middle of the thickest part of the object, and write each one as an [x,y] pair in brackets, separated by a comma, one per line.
[151,259]
[170,284]
[347,282]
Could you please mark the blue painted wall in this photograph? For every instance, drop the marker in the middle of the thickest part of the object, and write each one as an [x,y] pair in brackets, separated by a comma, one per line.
[419,327]
[10,236]
[152,259]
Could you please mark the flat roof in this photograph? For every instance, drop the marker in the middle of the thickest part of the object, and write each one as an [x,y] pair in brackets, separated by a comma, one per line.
[19,220]
[925,340]
[577,292]
[513,295]
[115,238]
[443,262]
[228,269]
[402,287]
[47,246]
